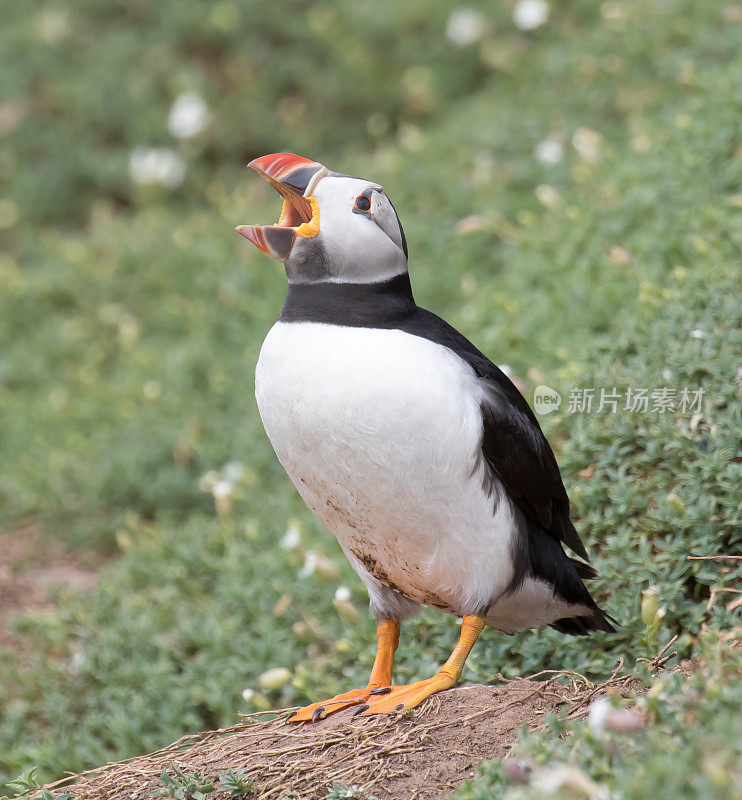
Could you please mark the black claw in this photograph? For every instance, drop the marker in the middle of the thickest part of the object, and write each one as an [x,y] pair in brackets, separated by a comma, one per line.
[360,710]
[318,712]
[291,714]
[381,690]
[400,707]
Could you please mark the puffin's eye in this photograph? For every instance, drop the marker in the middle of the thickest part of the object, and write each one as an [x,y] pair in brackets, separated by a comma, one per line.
[362,203]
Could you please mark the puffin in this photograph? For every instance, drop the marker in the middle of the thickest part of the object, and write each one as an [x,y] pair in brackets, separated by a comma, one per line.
[407,442]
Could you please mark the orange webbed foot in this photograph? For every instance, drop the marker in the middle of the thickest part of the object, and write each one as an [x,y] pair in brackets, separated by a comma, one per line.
[318,711]
[387,633]
[378,697]
[402,698]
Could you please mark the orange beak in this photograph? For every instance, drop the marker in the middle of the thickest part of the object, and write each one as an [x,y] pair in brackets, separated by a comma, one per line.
[293,177]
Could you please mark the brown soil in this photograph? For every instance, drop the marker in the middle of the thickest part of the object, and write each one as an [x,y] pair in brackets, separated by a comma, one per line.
[411,757]
[31,565]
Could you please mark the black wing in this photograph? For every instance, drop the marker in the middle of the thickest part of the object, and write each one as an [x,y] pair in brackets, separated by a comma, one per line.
[513,444]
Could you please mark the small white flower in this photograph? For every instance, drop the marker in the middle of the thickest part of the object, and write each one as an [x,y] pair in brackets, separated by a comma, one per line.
[77,662]
[292,538]
[587,143]
[342,594]
[207,481]
[152,390]
[310,564]
[604,716]
[667,374]
[569,781]
[597,714]
[233,471]
[530,14]
[697,333]
[411,138]
[466,26]
[550,151]
[189,115]
[326,567]
[221,489]
[156,165]
[619,256]
[548,196]
[128,328]
[222,492]
[53,25]
[471,224]
[255,699]
[343,604]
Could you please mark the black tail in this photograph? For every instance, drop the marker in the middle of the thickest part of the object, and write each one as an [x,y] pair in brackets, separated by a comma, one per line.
[579,626]
[598,621]
[539,555]
[585,571]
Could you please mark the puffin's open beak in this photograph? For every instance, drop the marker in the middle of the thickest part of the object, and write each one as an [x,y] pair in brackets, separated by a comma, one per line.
[294,178]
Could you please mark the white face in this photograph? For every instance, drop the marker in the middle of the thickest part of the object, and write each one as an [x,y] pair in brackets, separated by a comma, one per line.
[360,239]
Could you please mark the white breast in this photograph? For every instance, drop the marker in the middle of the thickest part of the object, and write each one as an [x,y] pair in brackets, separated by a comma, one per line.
[379,430]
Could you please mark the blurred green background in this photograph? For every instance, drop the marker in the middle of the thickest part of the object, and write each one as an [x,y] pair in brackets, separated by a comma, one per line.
[568,175]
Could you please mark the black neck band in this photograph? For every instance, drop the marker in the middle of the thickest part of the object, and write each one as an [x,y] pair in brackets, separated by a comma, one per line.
[357,305]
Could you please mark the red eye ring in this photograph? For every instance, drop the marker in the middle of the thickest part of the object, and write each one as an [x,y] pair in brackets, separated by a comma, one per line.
[362,204]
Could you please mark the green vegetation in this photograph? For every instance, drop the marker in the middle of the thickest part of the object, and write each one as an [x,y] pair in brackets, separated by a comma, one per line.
[28,785]
[183,786]
[687,744]
[235,782]
[131,318]
[339,790]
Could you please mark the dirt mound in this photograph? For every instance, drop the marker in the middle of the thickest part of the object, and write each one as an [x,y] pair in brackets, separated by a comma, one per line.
[418,756]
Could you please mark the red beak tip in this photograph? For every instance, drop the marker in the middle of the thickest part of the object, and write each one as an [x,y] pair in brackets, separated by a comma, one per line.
[278,165]
[247,232]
